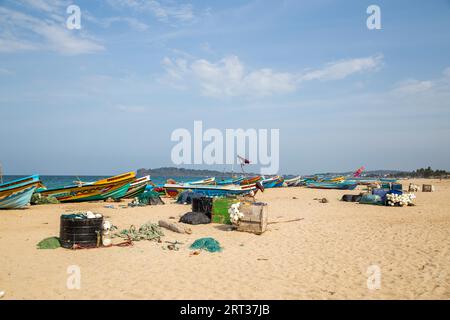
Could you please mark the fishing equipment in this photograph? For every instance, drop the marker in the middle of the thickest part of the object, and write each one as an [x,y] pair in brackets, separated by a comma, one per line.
[208,244]
[401,200]
[148,231]
[49,243]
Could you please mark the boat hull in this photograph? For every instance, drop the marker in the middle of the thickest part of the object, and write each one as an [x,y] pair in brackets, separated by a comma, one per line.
[210,191]
[17,194]
[337,186]
[114,187]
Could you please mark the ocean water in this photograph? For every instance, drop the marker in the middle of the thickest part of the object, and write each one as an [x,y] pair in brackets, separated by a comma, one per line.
[61,181]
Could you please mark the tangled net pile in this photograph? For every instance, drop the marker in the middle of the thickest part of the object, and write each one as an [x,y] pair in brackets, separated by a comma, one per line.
[148,231]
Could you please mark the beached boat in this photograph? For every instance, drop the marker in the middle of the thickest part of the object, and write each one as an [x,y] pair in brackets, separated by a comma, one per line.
[224,182]
[273,182]
[114,187]
[137,187]
[209,190]
[293,181]
[207,181]
[332,185]
[250,180]
[17,193]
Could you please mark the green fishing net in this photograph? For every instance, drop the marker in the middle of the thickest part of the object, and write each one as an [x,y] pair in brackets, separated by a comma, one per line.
[49,243]
[148,231]
[208,244]
[37,198]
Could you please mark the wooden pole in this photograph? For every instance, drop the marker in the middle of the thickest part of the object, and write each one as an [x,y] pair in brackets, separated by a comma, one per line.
[1,174]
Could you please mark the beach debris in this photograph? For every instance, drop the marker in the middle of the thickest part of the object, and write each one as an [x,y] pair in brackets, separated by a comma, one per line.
[235,214]
[49,243]
[195,253]
[413,187]
[208,244]
[148,231]
[286,221]
[174,226]
[321,200]
[294,198]
[195,218]
[173,246]
[2,294]
[401,200]
[109,206]
[38,198]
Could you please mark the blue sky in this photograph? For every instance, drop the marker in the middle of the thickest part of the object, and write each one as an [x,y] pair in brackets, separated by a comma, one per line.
[105,99]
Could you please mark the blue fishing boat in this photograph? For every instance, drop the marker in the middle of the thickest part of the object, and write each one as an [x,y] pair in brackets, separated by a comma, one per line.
[17,193]
[273,182]
[224,182]
[210,190]
[332,185]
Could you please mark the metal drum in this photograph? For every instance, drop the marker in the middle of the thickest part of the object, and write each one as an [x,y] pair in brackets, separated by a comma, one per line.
[84,233]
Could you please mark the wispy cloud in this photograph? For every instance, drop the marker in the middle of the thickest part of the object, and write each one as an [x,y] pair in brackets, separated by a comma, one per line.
[229,77]
[5,72]
[163,11]
[21,32]
[344,68]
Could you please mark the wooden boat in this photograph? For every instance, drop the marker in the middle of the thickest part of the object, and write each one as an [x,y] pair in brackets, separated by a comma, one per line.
[225,182]
[17,193]
[332,185]
[207,181]
[209,190]
[273,182]
[250,180]
[293,181]
[114,187]
[137,187]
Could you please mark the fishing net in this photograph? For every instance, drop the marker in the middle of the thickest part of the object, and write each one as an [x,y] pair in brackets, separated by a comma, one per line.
[49,243]
[147,198]
[208,244]
[148,231]
[37,198]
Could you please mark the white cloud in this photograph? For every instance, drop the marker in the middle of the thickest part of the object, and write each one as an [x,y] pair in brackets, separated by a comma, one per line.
[413,86]
[229,77]
[344,68]
[24,32]
[164,11]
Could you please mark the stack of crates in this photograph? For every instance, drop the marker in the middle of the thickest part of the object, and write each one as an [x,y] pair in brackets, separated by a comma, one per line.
[220,210]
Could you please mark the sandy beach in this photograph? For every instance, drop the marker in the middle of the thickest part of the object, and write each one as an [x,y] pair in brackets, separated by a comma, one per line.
[324,256]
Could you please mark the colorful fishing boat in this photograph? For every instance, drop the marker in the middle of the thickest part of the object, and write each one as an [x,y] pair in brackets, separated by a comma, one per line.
[273,182]
[114,187]
[293,182]
[208,181]
[332,185]
[224,182]
[17,193]
[209,190]
[137,187]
